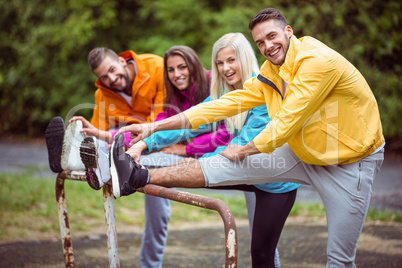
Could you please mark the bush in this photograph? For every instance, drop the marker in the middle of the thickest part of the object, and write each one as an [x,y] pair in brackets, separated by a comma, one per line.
[44,46]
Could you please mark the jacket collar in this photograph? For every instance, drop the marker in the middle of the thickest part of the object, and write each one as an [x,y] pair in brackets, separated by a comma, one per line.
[286,68]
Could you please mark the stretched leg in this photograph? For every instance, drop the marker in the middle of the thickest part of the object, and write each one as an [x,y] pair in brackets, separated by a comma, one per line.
[271,212]
[282,165]
[178,175]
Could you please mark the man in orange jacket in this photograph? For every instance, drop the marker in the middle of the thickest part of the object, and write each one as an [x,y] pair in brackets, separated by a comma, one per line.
[130,90]
[130,87]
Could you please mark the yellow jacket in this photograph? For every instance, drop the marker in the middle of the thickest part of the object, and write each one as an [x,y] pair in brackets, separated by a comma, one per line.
[328,115]
[111,110]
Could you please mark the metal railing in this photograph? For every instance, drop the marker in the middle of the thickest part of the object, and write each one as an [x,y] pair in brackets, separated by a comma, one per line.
[108,199]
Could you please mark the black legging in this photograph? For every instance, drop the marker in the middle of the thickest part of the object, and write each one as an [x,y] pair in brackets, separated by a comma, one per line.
[271,212]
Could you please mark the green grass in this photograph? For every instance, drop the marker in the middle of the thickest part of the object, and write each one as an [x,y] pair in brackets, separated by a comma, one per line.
[28,205]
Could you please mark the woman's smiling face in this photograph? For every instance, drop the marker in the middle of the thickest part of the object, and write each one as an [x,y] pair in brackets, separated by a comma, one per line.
[228,67]
[178,72]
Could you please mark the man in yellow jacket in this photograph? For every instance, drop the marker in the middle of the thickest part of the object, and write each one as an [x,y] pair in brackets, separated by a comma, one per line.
[325,131]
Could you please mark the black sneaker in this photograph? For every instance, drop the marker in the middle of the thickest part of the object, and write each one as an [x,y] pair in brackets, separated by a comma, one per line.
[127,175]
[96,163]
[54,135]
[89,156]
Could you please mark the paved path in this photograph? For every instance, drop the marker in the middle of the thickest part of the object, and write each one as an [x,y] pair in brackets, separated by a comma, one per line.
[32,156]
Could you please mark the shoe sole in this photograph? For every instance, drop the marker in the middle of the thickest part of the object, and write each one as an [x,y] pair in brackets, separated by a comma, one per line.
[89,157]
[113,173]
[54,135]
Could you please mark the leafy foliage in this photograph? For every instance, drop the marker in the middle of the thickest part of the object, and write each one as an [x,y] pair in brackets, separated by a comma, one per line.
[44,45]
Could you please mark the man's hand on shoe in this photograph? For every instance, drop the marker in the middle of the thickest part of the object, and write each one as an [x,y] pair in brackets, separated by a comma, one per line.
[91,130]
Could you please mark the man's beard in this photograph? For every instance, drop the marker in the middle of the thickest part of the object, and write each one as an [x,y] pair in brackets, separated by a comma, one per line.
[126,89]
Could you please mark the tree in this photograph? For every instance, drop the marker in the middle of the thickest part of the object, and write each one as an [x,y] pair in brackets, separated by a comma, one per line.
[44,46]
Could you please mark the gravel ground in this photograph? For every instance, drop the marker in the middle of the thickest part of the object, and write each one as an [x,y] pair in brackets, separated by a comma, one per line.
[302,245]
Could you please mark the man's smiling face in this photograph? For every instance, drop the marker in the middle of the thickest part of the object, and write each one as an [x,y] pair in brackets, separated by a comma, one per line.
[273,40]
[113,74]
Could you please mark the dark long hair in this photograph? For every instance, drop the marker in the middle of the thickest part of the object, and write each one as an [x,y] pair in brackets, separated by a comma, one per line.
[199,78]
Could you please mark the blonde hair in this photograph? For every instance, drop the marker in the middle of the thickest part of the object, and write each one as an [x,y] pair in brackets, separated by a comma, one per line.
[248,65]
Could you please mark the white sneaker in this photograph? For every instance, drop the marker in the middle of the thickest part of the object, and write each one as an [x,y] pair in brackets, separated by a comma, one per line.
[96,163]
[70,156]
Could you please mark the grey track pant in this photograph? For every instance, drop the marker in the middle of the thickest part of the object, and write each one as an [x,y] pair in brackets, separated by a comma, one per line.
[344,189]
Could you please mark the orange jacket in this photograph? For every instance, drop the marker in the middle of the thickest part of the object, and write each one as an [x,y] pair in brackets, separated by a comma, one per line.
[111,110]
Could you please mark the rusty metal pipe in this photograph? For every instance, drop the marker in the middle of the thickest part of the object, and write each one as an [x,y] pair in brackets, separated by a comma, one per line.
[110,219]
[63,221]
[192,199]
[204,202]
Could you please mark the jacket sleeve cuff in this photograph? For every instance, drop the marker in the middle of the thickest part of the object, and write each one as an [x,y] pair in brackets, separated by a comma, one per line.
[149,145]
[260,142]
